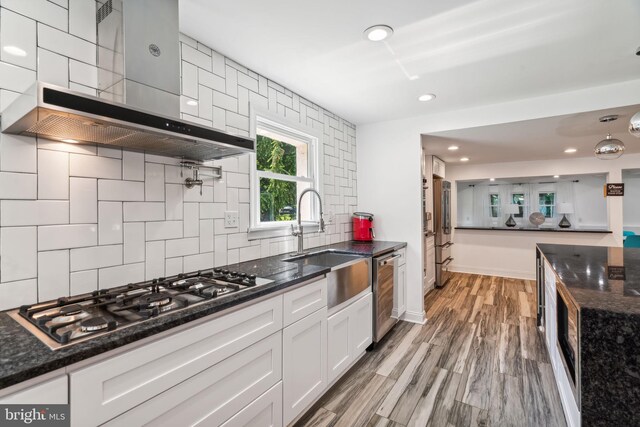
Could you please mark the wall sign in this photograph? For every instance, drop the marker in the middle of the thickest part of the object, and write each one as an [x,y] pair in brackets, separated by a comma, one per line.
[616,272]
[611,189]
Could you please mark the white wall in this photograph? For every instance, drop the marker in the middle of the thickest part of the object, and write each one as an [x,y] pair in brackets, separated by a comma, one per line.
[76,218]
[631,216]
[389,162]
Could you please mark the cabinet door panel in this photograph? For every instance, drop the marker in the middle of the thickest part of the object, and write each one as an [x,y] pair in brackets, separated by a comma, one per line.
[304,360]
[107,389]
[264,411]
[339,342]
[215,395]
[362,324]
[50,392]
[401,291]
[303,301]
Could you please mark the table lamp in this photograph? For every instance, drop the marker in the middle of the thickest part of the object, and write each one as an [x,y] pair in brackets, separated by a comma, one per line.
[564,209]
[511,209]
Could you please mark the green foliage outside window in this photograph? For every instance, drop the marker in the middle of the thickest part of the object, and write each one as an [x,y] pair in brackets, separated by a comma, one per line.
[277,197]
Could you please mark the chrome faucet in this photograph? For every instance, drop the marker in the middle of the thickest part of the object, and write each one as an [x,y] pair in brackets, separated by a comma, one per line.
[298,231]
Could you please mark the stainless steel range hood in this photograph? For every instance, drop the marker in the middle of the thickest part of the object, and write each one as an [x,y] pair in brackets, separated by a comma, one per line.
[138,87]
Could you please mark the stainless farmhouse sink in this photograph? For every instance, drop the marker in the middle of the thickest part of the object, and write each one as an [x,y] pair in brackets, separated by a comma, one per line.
[326,258]
[350,274]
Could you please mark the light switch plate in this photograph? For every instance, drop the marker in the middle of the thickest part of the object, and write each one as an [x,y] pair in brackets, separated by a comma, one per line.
[230,219]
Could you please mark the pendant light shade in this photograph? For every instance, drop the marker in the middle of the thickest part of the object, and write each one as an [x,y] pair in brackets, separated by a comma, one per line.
[634,125]
[609,148]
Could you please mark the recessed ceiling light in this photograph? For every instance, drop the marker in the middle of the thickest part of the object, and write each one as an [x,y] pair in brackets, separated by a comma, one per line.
[377,33]
[70,141]
[570,150]
[192,102]
[426,97]
[464,159]
[453,148]
[15,51]
[492,179]
[556,176]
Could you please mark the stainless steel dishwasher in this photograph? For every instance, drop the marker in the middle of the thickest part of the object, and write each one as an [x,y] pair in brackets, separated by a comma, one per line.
[385,273]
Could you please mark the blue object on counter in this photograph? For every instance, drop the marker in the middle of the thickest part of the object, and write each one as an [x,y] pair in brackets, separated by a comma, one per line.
[632,241]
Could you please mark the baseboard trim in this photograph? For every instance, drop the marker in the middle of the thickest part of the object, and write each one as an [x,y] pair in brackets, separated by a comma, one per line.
[500,272]
[415,317]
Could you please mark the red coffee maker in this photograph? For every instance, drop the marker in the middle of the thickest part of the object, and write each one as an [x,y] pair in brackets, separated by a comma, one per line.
[363,227]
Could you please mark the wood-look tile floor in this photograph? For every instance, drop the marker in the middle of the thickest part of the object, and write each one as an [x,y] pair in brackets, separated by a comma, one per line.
[478,361]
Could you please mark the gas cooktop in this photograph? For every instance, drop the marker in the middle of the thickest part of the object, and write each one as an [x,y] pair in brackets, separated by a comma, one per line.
[70,320]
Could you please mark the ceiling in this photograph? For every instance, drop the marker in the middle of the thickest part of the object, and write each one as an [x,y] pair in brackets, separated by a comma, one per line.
[468,53]
[539,139]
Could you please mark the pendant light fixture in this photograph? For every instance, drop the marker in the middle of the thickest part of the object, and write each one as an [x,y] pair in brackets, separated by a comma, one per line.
[609,148]
[634,125]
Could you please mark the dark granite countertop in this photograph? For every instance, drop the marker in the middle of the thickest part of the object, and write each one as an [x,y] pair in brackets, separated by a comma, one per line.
[537,229]
[587,273]
[23,356]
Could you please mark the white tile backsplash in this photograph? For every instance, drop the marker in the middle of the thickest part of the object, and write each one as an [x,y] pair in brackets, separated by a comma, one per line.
[53,275]
[95,257]
[120,275]
[179,247]
[67,236]
[94,167]
[121,216]
[134,242]
[155,256]
[53,175]
[17,32]
[18,185]
[15,294]
[154,182]
[82,282]
[144,211]
[53,68]
[191,219]
[66,44]
[114,190]
[109,223]
[18,253]
[83,200]
[17,153]
[33,212]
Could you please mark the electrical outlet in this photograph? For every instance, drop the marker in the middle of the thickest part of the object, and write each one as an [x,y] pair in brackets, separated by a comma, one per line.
[230,219]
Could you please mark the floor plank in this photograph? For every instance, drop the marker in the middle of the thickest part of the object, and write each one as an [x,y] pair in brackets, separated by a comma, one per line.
[480,360]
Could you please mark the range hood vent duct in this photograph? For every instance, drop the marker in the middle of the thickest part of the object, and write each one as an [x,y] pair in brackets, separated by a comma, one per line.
[138,103]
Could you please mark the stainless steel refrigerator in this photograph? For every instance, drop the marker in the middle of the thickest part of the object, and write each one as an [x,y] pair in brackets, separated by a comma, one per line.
[442,228]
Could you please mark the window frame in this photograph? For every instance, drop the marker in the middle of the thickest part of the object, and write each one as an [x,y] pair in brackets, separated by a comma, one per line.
[492,206]
[289,129]
[522,206]
[552,206]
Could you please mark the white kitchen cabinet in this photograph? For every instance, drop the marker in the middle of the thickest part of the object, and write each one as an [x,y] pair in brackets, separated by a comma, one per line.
[51,392]
[429,265]
[214,395]
[350,332]
[362,330]
[107,389]
[438,167]
[303,301]
[304,360]
[339,344]
[401,291]
[264,411]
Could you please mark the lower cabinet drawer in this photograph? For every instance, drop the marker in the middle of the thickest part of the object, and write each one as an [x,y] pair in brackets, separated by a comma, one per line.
[107,389]
[52,392]
[264,411]
[214,396]
[303,301]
